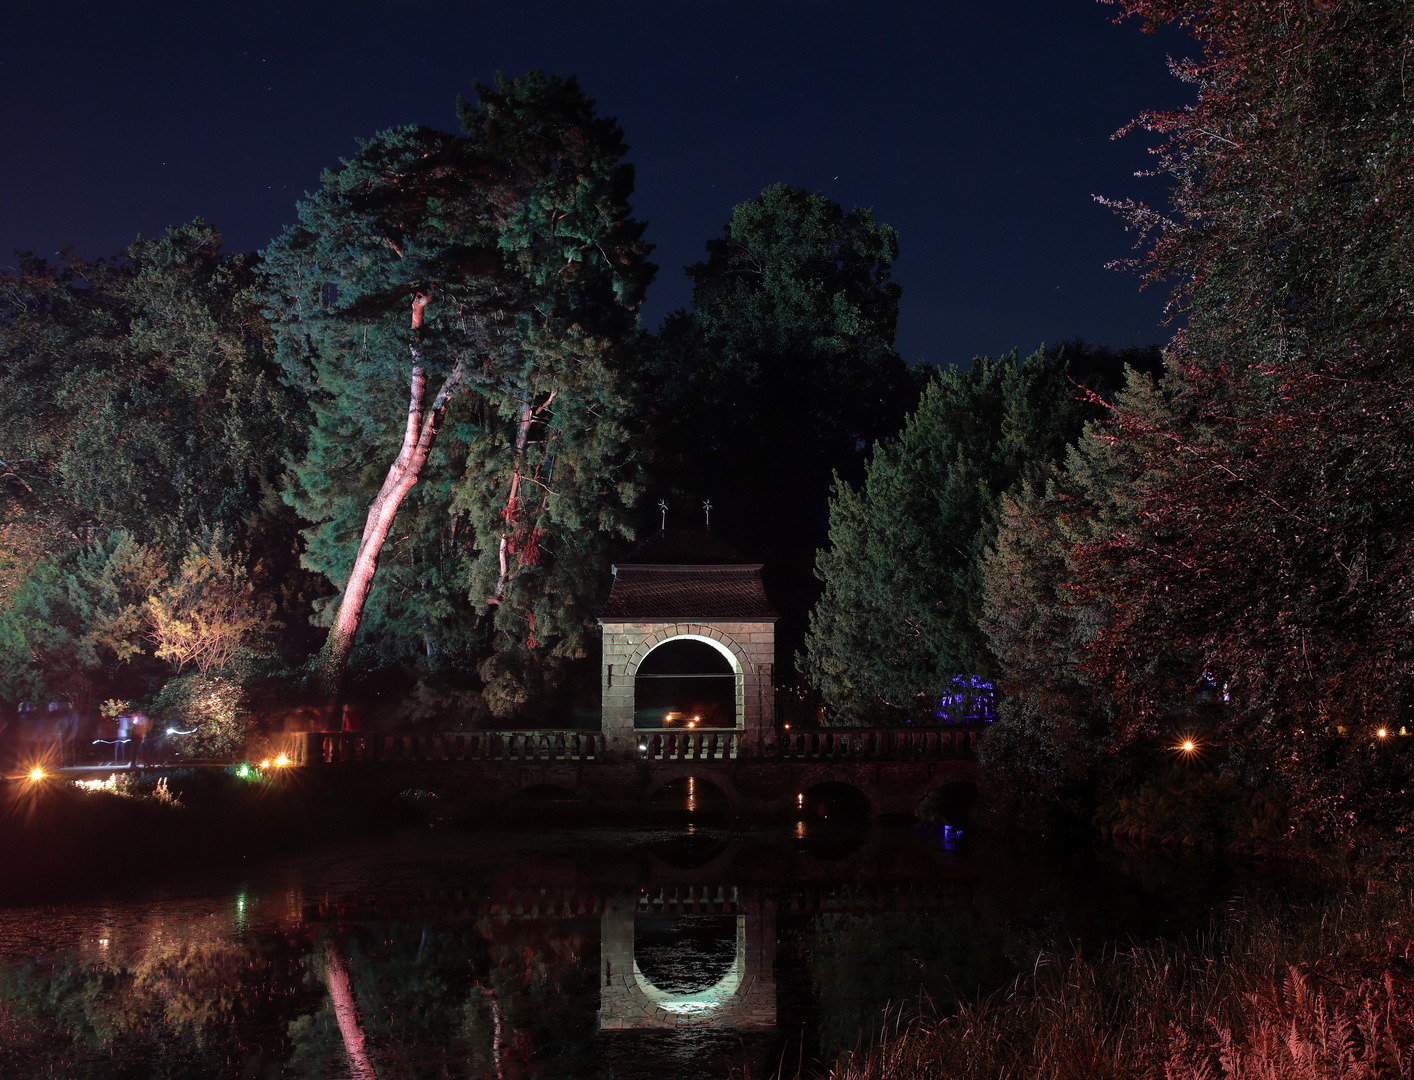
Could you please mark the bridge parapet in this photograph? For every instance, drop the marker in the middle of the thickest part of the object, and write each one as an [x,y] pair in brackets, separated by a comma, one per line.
[336,747]
[954,743]
[704,745]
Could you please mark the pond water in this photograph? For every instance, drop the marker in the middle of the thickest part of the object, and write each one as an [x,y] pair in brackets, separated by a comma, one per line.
[658,953]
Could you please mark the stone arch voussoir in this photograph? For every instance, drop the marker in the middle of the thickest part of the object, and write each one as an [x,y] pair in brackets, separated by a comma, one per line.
[709,634]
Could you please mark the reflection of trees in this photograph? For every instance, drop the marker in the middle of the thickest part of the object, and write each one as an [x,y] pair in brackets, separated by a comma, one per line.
[540,989]
[426,1003]
[442,1003]
[179,1006]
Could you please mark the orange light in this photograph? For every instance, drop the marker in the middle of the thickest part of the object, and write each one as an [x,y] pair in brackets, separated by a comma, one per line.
[281,761]
[800,801]
[1382,734]
[1188,746]
[37,774]
[787,727]
[265,764]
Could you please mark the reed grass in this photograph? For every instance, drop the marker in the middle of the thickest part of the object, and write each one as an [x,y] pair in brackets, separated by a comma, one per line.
[1325,991]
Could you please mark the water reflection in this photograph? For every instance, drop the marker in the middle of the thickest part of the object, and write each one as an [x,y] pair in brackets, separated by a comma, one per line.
[548,953]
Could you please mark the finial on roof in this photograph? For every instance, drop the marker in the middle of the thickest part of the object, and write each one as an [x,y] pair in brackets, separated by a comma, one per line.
[663,506]
[707,506]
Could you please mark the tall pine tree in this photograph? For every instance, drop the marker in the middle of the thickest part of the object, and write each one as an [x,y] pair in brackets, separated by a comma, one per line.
[457,306]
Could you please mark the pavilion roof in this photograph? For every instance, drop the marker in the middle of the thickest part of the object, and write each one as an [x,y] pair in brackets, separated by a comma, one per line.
[669,592]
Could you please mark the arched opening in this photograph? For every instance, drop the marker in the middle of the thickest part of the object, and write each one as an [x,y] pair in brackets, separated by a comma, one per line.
[832,820]
[684,683]
[694,847]
[949,804]
[833,801]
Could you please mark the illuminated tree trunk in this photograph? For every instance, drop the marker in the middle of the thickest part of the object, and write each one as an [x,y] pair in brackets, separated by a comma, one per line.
[336,975]
[418,438]
[511,515]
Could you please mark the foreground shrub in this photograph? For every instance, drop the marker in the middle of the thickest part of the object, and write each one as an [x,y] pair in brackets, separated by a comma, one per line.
[1204,810]
[1321,994]
[209,708]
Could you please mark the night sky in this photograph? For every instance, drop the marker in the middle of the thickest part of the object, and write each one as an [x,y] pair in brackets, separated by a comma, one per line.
[979,131]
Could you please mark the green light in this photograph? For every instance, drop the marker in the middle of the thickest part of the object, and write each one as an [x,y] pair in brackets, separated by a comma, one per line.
[243,771]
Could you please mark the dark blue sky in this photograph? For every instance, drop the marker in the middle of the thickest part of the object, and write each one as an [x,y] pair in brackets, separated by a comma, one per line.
[980,132]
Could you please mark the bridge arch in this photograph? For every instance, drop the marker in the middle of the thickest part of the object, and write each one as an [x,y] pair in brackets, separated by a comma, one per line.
[950,803]
[715,638]
[705,1002]
[721,643]
[690,674]
[746,647]
[835,800]
[719,781]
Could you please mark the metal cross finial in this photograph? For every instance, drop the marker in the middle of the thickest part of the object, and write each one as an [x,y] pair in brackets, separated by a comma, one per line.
[663,506]
[707,506]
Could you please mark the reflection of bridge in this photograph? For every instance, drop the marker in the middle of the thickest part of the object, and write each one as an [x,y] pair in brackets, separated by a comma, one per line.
[893,768]
[742,998]
[739,893]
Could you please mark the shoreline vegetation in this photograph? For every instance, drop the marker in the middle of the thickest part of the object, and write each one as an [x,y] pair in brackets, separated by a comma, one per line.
[1325,990]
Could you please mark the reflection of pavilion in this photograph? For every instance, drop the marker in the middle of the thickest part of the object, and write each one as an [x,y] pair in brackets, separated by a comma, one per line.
[744,998]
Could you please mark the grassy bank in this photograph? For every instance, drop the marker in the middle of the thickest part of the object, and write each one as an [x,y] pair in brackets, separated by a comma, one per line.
[1319,992]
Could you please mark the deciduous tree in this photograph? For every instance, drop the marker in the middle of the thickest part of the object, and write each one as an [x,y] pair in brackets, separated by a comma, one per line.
[137,393]
[209,613]
[1272,547]
[782,374]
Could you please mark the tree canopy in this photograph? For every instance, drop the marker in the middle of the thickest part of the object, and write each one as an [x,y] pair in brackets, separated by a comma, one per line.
[1262,544]
[782,374]
[513,248]
[898,621]
[137,392]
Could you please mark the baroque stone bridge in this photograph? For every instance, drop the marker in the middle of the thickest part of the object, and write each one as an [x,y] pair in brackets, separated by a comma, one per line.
[687,698]
[893,769]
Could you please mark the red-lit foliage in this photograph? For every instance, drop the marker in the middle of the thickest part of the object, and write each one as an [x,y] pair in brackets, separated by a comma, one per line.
[1273,542]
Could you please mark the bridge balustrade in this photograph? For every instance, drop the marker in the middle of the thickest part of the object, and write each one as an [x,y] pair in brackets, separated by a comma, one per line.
[880,744]
[337,747]
[705,745]
[951,743]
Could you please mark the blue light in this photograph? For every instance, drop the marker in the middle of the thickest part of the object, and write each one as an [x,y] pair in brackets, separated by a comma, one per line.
[969,699]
